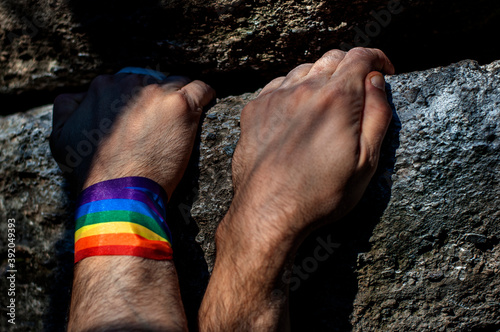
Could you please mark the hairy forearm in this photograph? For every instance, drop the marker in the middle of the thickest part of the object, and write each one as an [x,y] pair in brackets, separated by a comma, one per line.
[247,290]
[125,293]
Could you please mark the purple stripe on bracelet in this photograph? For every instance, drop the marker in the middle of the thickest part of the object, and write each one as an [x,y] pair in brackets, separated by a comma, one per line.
[133,181]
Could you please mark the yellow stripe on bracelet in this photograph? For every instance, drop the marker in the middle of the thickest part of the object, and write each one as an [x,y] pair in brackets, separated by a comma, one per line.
[117,227]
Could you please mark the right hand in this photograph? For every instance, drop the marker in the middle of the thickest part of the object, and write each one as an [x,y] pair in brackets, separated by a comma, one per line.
[310,144]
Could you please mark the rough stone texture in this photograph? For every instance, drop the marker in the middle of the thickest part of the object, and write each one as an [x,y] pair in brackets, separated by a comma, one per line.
[33,192]
[435,259]
[419,253]
[49,44]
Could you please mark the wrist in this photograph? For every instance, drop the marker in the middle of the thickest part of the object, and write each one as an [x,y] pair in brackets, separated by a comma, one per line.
[250,238]
[100,174]
[124,216]
[250,262]
[265,221]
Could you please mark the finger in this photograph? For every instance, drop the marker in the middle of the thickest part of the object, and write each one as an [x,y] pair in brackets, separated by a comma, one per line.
[198,94]
[64,106]
[175,83]
[376,117]
[328,63]
[297,74]
[358,63]
[273,85]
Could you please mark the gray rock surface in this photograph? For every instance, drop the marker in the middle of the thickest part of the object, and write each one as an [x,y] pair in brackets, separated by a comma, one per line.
[33,192]
[419,253]
[435,259]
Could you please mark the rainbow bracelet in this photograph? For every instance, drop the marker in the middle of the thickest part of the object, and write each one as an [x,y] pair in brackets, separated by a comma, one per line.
[124,216]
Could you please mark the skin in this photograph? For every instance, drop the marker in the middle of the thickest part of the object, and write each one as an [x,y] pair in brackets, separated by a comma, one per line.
[309,146]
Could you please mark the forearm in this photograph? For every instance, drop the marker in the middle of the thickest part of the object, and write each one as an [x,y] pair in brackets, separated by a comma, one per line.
[125,278]
[126,293]
[247,290]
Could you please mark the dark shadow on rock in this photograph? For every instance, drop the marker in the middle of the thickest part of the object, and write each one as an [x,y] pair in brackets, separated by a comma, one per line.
[61,278]
[191,266]
[440,33]
[128,34]
[324,285]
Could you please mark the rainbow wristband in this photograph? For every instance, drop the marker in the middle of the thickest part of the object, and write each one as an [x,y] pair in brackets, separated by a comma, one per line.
[125,217]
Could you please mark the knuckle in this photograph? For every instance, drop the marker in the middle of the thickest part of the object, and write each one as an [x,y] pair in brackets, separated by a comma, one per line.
[299,71]
[304,66]
[376,50]
[274,84]
[180,99]
[335,54]
[360,52]
[277,80]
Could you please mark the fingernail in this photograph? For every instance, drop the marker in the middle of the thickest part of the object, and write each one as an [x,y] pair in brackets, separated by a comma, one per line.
[378,82]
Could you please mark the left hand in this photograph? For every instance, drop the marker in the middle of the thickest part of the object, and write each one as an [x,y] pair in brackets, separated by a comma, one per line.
[125,127]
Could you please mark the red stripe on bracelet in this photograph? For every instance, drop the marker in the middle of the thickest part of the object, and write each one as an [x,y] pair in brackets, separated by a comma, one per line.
[157,254]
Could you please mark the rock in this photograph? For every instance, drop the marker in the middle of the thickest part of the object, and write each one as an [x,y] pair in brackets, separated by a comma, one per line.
[435,276]
[91,37]
[476,238]
[444,185]
[49,44]
[411,256]
[34,193]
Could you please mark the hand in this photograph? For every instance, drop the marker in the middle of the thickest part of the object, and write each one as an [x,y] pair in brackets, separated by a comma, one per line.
[310,144]
[126,126]
[308,148]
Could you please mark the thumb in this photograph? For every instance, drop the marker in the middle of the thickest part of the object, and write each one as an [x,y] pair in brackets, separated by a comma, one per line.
[199,94]
[376,117]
